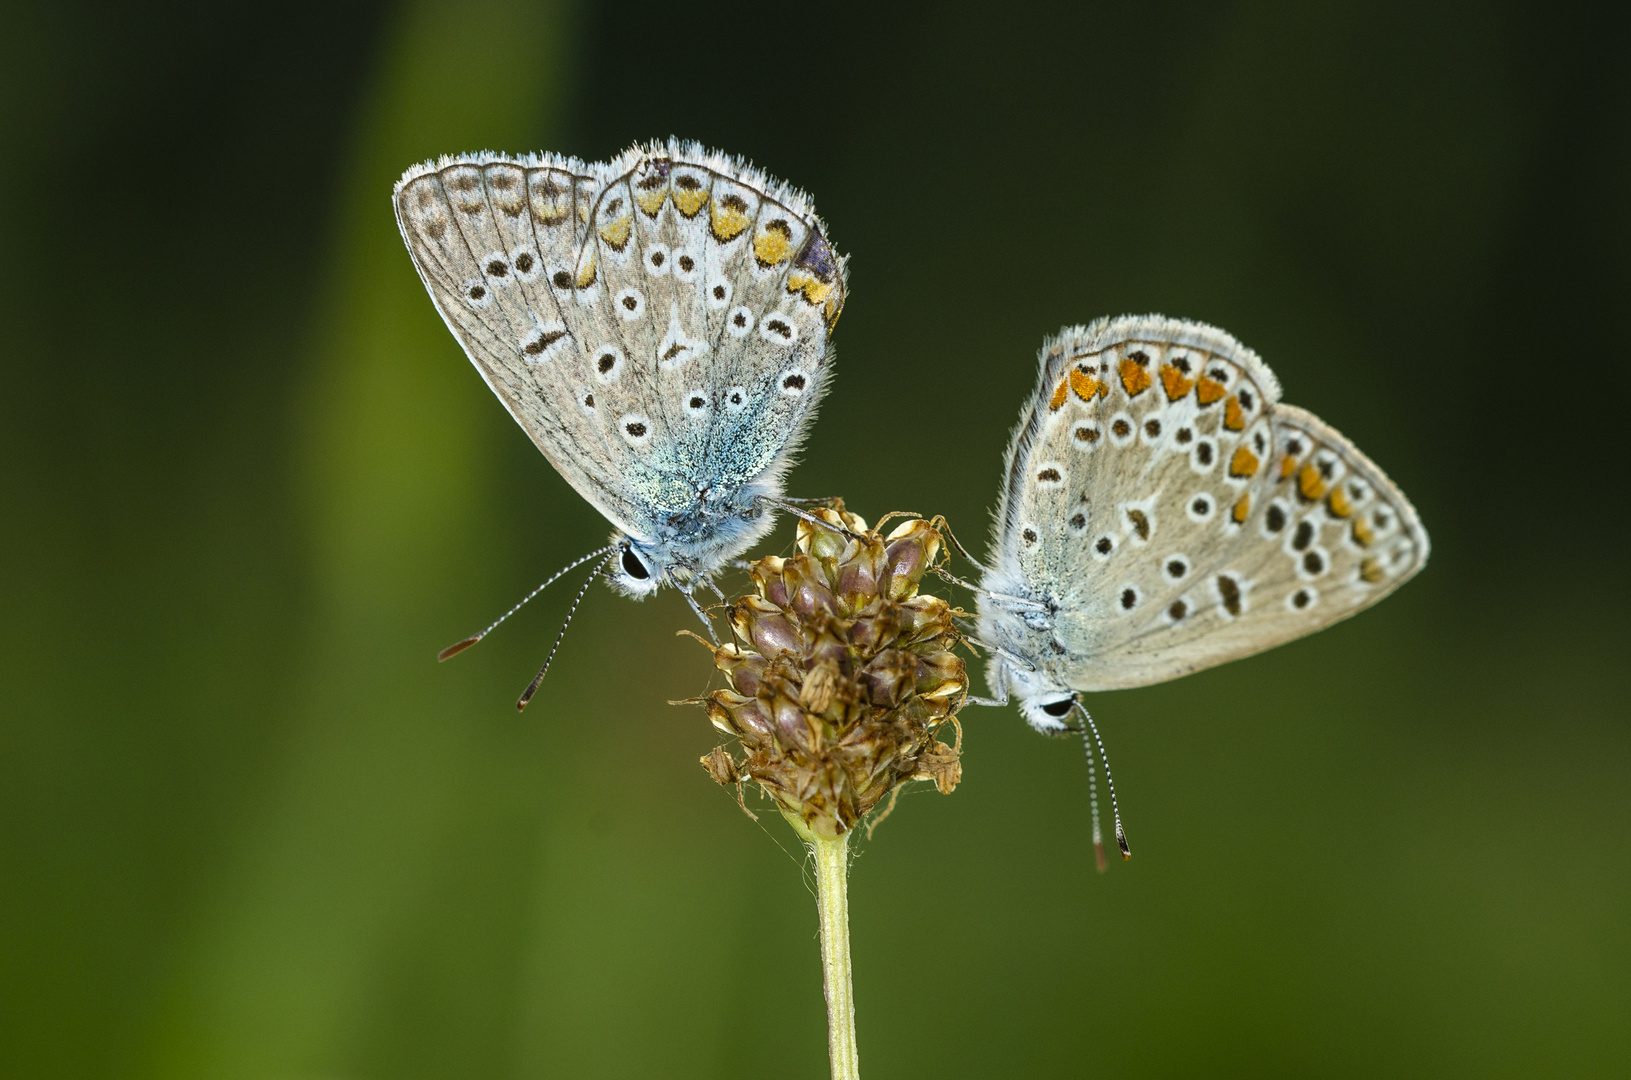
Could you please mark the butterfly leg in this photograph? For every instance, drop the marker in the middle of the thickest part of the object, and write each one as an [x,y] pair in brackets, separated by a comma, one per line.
[805,515]
[1017,602]
[707,623]
[999,691]
[834,501]
[944,526]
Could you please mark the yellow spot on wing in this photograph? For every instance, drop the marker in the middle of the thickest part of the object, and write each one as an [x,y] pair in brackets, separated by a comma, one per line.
[616,233]
[586,273]
[1310,483]
[1208,390]
[651,201]
[1364,535]
[728,217]
[773,246]
[1134,379]
[689,201]
[1339,504]
[1233,418]
[814,289]
[1244,463]
[1242,507]
[1176,382]
[1288,465]
[1371,569]
[1060,392]
[1084,384]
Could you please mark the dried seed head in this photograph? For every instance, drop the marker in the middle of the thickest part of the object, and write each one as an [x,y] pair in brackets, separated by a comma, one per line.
[840,675]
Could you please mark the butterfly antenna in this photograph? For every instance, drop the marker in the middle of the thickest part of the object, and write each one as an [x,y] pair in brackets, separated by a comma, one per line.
[1093,801]
[454,650]
[532,687]
[1121,834]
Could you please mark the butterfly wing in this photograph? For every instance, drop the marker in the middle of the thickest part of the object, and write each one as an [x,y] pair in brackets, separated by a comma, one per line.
[1178,515]
[584,295]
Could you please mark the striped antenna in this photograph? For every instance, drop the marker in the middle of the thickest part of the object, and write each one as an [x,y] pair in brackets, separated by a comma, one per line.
[456,649]
[532,688]
[1121,834]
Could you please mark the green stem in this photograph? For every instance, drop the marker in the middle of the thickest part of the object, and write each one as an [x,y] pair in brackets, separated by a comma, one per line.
[832,903]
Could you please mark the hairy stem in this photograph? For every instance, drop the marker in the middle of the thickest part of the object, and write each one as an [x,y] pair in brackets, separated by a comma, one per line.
[832,904]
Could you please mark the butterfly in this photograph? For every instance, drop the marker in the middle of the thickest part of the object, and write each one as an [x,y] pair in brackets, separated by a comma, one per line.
[1163,512]
[659,325]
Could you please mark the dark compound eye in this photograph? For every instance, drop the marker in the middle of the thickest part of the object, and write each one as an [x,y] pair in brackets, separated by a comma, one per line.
[633,567]
[1058,708]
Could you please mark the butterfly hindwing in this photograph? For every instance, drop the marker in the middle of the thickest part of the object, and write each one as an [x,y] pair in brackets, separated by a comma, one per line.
[1176,515]
[659,324]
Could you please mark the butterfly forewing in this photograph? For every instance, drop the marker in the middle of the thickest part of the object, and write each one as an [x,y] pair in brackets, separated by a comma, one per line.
[658,324]
[1176,515]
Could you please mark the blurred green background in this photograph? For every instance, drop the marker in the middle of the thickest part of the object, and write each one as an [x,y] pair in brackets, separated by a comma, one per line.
[249,486]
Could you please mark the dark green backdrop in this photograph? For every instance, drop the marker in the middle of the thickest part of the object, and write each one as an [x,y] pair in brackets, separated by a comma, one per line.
[249,486]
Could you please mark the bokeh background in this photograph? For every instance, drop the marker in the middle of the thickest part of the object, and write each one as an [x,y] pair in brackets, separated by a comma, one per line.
[249,486]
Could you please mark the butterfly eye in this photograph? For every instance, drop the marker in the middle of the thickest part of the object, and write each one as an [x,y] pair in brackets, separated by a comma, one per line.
[1058,708]
[633,567]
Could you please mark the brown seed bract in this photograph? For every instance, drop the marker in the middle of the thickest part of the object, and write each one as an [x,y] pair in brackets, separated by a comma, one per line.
[841,674]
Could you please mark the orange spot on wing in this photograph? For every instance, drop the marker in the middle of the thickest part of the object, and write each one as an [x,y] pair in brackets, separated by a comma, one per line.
[1288,465]
[1371,570]
[1176,382]
[1242,508]
[1364,535]
[1233,418]
[1084,384]
[1244,463]
[1310,484]
[1339,504]
[1059,394]
[1134,379]
[1208,390]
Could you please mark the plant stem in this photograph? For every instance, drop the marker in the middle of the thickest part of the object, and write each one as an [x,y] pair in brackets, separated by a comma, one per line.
[832,903]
